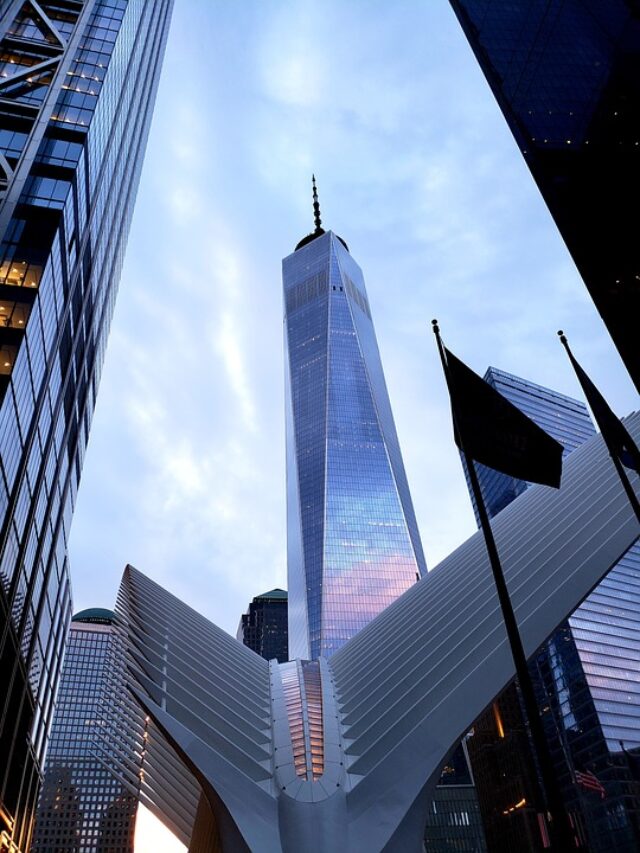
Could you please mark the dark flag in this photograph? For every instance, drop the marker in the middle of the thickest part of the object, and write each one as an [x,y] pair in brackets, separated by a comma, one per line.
[633,761]
[617,439]
[489,429]
[496,433]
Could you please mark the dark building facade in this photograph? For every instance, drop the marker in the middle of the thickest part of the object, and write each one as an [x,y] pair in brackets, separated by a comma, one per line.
[264,628]
[83,807]
[454,820]
[587,677]
[566,74]
[77,85]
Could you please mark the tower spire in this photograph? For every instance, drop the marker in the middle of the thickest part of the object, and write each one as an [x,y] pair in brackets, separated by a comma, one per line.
[319,230]
[316,207]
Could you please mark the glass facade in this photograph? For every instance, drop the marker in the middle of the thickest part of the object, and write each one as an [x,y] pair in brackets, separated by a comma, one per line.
[353,542]
[454,822]
[565,74]
[82,807]
[587,676]
[264,627]
[77,86]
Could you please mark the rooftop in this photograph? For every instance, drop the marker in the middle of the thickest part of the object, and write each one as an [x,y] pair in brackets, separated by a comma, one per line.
[274,595]
[97,615]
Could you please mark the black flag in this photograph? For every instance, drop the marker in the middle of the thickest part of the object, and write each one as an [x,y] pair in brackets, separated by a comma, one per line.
[496,433]
[489,429]
[617,439]
[633,761]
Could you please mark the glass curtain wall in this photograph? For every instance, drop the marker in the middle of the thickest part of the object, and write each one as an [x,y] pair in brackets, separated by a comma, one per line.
[77,86]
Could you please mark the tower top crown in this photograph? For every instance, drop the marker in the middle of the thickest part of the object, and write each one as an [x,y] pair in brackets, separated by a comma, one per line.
[317,221]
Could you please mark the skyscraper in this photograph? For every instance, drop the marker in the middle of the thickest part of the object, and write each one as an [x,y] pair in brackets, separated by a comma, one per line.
[77,85]
[263,628]
[587,677]
[82,805]
[354,545]
[565,75]
[353,541]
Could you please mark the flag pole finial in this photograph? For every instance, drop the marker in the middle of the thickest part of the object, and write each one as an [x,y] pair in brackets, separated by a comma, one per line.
[316,206]
[562,336]
[436,327]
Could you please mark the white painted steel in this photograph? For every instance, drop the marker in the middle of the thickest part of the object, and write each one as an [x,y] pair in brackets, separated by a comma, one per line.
[397,696]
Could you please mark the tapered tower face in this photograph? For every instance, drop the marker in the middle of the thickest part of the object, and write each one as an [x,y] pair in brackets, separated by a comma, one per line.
[353,542]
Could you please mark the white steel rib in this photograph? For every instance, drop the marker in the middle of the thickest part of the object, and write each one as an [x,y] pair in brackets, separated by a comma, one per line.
[394,700]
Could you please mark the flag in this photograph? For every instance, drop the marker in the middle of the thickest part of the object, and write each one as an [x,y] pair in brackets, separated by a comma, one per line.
[633,762]
[591,782]
[614,433]
[491,430]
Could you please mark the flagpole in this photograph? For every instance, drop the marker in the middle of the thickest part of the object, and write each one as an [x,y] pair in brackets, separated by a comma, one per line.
[624,479]
[562,835]
[633,500]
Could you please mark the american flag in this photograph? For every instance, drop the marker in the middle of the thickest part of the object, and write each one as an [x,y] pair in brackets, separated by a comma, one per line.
[590,781]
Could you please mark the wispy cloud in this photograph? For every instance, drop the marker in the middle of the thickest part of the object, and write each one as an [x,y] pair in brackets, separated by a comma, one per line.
[185,470]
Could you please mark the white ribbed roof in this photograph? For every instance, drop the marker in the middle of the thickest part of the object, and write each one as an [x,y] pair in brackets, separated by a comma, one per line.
[396,697]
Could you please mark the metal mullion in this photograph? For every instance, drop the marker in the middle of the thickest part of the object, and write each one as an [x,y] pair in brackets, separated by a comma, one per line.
[28,72]
[45,110]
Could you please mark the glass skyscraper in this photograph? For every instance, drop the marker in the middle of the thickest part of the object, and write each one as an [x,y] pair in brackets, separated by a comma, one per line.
[264,627]
[565,74]
[83,808]
[587,677]
[77,85]
[353,541]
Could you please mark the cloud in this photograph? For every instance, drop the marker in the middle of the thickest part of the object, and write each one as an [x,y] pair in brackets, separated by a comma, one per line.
[185,470]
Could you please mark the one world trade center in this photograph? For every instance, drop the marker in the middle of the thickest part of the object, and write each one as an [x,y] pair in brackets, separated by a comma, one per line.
[353,541]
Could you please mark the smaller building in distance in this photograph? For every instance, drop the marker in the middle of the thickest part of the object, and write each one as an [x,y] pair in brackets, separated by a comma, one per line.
[454,821]
[263,628]
[82,804]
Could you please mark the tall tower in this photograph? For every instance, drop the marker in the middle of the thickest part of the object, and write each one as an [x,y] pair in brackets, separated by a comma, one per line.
[83,806]
[77,86]
[565,75]
[353,542]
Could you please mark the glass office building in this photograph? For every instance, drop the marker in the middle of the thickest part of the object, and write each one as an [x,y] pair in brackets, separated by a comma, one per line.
[454,821]
[77,85]
[83,808]
[264,627]
[587,677]
[565,74]
[353,542]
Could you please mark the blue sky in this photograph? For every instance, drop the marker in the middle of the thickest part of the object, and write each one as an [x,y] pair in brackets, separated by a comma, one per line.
[184,475]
